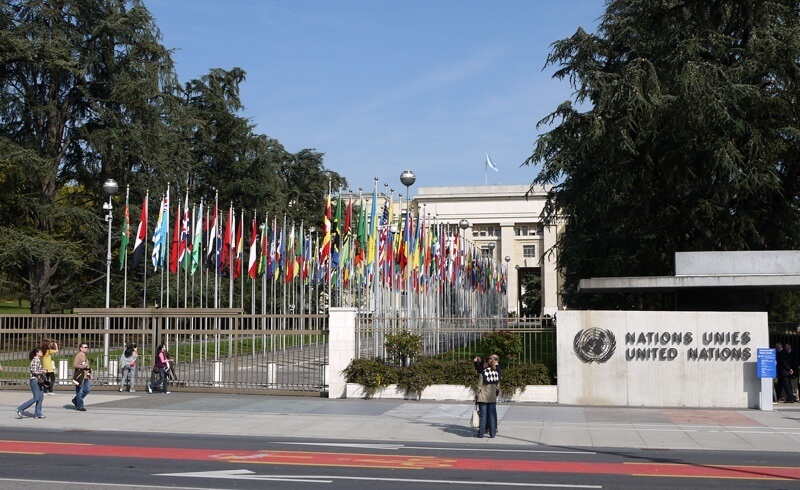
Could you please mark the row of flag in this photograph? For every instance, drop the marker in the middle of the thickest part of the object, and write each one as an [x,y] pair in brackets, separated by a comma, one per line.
[355,247]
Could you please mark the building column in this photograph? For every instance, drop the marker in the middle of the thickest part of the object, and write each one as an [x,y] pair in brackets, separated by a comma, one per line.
[507,249]
[549,274]
[341,349]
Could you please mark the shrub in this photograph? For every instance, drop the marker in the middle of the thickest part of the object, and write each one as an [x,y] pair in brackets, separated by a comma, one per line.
[372,374]
[504,343]
[518,376]
[403,346]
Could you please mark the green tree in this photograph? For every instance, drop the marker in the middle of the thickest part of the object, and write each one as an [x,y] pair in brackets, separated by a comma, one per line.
[84,95]
[684,138]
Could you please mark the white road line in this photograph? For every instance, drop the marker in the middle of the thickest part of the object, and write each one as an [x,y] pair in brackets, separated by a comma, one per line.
[84,484]
[250,475]
[395,447]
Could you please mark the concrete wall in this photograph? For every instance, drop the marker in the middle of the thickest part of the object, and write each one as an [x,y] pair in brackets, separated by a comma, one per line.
[759,262]
[341,346]
[659,358]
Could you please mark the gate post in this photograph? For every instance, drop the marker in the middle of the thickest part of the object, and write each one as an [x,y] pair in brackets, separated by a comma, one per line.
[64,374]
[341,349]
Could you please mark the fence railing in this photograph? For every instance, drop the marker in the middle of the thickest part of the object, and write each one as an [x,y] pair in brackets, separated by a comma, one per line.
[211,349]
[458,338]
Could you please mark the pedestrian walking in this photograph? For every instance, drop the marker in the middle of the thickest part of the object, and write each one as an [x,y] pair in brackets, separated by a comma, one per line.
[49,347]
[37,375]
[128,361]
[81,377]
[161,368]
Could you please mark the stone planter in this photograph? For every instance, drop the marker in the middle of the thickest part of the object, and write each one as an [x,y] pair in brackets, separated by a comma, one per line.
[532,393]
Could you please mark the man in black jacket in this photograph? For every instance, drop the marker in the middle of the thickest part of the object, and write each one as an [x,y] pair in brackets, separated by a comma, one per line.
[785,371]
[793,364]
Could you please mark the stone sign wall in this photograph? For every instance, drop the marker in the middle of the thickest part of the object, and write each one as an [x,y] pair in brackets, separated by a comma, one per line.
[659,358]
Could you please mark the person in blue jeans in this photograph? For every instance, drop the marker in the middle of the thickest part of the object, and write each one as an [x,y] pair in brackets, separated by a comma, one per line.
[81,377]
[38,394]
[487,394]
[161,367]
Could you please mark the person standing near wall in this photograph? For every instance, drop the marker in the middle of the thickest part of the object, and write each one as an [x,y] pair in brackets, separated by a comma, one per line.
[793,364]
[777,381]
[81,376]
[49,347]
[487,395]
[785,371]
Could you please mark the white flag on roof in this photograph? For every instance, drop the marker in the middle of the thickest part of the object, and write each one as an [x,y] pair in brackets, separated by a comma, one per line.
[489,162]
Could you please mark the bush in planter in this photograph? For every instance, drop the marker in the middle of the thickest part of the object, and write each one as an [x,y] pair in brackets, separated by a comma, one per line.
[403,346]
[430,371]
[518,376]
[505,343]
[372,374]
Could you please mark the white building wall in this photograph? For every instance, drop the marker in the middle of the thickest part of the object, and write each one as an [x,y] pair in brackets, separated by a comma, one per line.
[503,206]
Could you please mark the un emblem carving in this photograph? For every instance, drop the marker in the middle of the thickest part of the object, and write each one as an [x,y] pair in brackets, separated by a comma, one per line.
[594,345]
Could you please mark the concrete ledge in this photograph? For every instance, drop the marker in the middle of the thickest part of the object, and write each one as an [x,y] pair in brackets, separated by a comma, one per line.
[532,393]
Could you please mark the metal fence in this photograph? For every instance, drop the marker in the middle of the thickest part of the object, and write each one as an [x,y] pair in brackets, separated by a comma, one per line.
[221,350]
[458,338]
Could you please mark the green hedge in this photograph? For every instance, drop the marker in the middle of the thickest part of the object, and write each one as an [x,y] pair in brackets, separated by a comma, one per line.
[374,373]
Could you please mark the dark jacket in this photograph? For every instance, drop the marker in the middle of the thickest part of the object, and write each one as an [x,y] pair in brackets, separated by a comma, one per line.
[784,363]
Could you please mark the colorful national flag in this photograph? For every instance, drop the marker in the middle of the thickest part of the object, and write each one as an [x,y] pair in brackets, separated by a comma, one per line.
[160,233]
[252,266]
[141,237]
[197,243]
[125,234]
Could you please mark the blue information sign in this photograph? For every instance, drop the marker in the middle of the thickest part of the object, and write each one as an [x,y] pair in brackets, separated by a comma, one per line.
[766,363]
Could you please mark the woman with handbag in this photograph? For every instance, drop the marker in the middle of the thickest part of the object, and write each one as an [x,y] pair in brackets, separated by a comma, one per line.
[487,394]
[161,369]
[49,347]
[37,377]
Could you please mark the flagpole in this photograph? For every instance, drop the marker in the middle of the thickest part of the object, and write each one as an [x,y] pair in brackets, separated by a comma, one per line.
[144,285]
[125,260]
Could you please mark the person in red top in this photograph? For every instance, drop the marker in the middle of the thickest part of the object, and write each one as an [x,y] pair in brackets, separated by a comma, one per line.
[161,367]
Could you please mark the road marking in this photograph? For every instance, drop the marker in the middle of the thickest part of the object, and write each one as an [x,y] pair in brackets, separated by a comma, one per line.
[410,462]
[395,447]
[84,484]
[250,475]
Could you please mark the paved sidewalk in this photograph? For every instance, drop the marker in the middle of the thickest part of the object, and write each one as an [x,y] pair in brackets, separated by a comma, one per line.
[413,421]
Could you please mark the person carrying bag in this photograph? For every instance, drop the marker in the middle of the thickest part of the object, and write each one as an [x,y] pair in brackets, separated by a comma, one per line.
[161,368]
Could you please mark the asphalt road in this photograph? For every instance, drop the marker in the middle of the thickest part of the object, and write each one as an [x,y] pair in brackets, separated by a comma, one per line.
[46,459]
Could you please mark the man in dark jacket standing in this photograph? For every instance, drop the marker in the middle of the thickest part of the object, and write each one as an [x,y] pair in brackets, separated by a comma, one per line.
[785,372]
[793,364]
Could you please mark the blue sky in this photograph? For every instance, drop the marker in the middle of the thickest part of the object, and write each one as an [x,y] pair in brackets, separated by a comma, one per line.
[380,86]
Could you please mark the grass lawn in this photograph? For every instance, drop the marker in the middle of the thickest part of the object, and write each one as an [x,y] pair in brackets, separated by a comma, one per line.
[9,306]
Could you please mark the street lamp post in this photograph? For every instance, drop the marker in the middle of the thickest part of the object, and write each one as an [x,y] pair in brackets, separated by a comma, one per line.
[519,294]
[407,178]
[507,259]
[491,246]
[110,187]
[463,224]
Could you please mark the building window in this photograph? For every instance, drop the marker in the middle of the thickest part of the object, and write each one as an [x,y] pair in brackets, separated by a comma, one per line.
[486,251]
[529,251]
[525,230]
[485,230]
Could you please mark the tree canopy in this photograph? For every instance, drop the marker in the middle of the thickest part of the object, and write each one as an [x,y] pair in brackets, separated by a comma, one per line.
[682,135]
[87,93]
